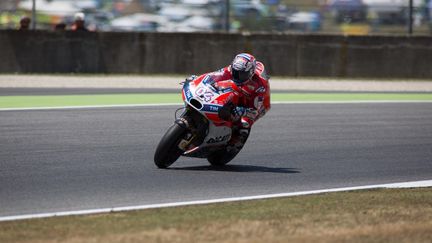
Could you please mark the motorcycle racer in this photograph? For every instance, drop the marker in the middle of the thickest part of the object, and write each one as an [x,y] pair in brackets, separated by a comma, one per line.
[250,76]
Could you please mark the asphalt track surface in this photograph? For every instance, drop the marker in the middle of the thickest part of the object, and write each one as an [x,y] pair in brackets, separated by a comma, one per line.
[61,160]
[99,91]
[82,91]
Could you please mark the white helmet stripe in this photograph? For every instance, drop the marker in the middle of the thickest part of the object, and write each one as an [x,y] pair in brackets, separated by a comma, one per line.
[244,55]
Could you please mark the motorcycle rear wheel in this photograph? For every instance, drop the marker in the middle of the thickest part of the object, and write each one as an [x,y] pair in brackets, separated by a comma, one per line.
[222,157]
[167,151]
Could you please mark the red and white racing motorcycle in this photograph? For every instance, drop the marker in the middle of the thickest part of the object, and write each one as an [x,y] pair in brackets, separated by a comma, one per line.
[204,128]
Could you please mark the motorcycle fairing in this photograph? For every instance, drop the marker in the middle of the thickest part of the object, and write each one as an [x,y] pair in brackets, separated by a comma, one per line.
[217,136]
[207,99]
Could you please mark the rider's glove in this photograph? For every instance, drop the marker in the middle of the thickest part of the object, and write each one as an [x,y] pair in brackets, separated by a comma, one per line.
[237,113]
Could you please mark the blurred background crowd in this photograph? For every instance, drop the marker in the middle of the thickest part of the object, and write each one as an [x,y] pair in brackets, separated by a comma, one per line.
[358,17]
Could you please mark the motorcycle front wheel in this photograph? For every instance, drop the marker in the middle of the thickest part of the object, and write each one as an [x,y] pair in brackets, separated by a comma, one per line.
[167,151]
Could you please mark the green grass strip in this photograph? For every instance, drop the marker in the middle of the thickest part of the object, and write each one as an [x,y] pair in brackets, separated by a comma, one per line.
[127,99]
[86,100]
[351,96]
[392,215]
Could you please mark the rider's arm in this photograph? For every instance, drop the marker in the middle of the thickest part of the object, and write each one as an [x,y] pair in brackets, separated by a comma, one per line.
[263,92]
[264,79]
[261,100]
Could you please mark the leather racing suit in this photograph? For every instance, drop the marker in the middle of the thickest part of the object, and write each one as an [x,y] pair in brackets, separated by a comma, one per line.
[254,100]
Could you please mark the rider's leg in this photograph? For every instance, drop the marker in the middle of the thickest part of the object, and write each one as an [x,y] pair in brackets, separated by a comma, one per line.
[240,133]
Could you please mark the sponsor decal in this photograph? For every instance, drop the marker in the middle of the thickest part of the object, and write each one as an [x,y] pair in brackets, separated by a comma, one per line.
[208,80]
[251,87]
[261,90]
[218,139]
[226,90]
[187,92]
[258,102]
[211,108]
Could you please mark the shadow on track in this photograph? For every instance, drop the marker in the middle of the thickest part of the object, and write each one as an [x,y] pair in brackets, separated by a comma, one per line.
[239,168]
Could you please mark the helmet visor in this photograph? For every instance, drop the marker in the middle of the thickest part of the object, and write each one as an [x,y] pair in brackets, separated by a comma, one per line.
[240,76]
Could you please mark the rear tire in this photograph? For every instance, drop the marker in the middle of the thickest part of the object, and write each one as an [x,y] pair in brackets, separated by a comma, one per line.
[222,157]
[167,151]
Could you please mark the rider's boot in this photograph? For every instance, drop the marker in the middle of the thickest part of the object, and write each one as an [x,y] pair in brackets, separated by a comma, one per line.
[238,139]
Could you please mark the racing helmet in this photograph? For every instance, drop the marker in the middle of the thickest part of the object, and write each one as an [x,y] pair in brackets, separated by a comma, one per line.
[243,68]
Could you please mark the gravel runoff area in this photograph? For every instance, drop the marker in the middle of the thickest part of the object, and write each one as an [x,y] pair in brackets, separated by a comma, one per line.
[172,82]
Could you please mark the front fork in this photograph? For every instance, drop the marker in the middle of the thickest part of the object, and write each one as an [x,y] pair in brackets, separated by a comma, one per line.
[184,144]
[196,126]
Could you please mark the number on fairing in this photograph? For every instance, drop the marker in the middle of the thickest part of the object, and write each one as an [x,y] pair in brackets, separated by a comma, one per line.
[204,94]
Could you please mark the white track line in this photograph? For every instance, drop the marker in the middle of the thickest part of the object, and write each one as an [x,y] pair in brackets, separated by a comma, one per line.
[171,104]
[87,107]
[425,183]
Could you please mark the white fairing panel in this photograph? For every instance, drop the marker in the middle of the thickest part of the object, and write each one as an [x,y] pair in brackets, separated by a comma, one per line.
[218,135]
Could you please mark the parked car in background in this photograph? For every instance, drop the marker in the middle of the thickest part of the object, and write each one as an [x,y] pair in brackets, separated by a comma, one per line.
[176,12]
[248,8]
[348,10]
[189,17]
[196,24]
[88,4]
[391,11]
[304,22]
[138,22]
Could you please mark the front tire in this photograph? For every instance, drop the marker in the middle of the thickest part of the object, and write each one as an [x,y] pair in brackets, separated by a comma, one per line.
[167,151]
